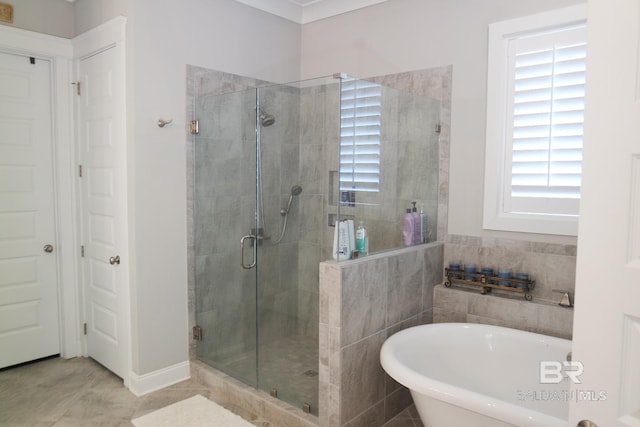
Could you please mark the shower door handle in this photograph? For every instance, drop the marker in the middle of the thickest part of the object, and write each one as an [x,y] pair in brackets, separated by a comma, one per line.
[255,249]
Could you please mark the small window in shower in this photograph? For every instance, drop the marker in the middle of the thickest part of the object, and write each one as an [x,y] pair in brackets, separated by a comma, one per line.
[360,112]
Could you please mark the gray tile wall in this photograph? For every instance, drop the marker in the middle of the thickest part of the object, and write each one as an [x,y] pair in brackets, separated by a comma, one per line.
[362,302]
[435,83]
[409,158]
[552,266]
[462,305]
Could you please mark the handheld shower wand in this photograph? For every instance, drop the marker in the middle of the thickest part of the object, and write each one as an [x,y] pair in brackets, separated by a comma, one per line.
[295,191]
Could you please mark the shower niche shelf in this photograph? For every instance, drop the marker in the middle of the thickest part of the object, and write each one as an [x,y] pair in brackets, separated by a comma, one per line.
[489,283]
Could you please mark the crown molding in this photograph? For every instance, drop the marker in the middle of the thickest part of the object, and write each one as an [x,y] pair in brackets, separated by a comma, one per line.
[303,12]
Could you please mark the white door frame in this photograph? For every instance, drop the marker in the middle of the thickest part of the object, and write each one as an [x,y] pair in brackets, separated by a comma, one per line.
[59,52]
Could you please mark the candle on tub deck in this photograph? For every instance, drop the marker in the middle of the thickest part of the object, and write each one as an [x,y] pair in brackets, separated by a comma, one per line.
[504,273]
[471,269]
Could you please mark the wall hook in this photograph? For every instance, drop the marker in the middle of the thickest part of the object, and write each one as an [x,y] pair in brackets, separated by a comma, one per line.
[162,122]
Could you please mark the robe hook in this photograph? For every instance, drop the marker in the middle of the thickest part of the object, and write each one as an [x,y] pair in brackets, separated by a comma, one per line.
[162,123]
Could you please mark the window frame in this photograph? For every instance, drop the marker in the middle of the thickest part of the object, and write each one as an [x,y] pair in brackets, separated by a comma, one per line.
[498,143]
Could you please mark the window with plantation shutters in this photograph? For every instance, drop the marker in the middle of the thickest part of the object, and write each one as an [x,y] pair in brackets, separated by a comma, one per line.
[360,113]
[535,122]
[546,102]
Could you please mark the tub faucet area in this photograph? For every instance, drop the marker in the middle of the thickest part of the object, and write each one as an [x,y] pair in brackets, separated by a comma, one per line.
[566,299]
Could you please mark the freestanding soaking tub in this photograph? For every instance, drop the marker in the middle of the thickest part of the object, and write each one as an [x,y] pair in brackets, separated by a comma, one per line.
[463,374]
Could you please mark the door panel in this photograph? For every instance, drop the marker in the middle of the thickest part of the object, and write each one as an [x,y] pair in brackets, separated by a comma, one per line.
[225,201]
[103,160]
[29,323]
[607,312]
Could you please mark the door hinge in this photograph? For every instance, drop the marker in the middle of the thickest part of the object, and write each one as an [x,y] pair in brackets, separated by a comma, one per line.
[197,333]
[438,128]
[80,171]
[84,327]
[195,127]
[77,84]
[32,60]
[82,251]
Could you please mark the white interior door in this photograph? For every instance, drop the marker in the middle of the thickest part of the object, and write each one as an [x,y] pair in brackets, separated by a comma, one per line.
[103,212]
[607,313]
[29,323]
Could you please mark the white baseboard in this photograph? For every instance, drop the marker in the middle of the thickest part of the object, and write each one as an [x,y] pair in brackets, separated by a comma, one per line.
[147,383]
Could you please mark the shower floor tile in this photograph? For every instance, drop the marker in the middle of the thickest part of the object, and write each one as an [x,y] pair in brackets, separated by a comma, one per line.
[287,364]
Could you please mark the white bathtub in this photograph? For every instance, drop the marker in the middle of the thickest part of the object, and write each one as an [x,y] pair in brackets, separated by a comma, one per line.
[463,374]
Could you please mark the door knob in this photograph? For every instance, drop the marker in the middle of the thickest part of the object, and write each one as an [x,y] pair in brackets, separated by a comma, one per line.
[48,248]
[114,260]
[586,423]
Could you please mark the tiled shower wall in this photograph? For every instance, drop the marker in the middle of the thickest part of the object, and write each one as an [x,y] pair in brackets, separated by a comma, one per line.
[314,118]
[362,303]
[409,170]
[435,83]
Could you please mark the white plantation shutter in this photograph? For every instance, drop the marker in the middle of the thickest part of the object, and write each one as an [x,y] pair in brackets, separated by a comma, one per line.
[360,112]
[545,122]
[535,114]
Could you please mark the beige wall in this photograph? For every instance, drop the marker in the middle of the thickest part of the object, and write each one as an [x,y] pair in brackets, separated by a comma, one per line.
[54,17]
[216,34]
[404,35]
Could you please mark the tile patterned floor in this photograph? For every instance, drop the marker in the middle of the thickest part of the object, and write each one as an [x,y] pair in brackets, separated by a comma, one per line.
[407,418]
[81,393]
[78,392]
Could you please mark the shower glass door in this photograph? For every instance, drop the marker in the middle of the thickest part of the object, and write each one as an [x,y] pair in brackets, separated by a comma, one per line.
[225,199]
[257,302]
[288,255]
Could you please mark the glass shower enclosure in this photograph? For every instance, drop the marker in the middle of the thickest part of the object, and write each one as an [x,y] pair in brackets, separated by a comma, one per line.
[270,180]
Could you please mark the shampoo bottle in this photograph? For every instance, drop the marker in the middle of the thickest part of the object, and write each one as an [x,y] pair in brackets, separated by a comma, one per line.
[362,240]
[415,216]
[407,228]
[343,240]
[423,225]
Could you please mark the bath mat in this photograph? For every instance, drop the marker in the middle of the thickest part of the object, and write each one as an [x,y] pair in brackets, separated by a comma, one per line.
[196,411]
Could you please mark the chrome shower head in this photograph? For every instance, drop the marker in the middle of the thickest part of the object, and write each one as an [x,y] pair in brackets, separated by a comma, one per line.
[296,190]
[266,119]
